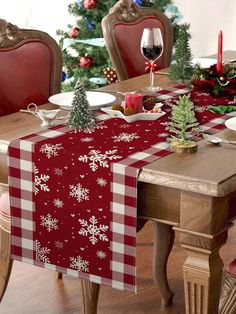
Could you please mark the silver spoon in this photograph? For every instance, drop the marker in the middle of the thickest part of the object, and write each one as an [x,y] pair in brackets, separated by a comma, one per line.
[216,140]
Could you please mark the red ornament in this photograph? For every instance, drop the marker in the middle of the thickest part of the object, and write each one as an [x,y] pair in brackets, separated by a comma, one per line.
[90,4]
[85,62]
[74,32]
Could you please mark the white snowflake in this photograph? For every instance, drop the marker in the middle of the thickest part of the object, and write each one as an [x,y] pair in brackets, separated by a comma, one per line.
[41,253]
[124,126]
[58,203]
[50,149]
[97,158]
[58,172]
[100,126]
[92,230]
[125,137]
[101,182]
[79,192]
[163,134]
[49,222]
[86,139]
[101,254]
[200,109]
[59,244]
[39,181]
[79,264]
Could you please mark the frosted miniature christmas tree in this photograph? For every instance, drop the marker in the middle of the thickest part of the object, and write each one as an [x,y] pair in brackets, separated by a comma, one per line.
[80,116]
[183,121]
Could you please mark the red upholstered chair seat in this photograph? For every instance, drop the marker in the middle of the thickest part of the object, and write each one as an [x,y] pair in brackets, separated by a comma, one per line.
[128,38]
[122,30]
[30,67]
[25,75]
[231,268]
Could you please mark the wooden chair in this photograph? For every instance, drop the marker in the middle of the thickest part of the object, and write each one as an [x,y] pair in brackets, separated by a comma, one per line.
[122,30]
[30,67]
[228,294]
[30,71]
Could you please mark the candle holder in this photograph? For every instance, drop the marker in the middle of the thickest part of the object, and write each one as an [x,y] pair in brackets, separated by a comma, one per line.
[221,83]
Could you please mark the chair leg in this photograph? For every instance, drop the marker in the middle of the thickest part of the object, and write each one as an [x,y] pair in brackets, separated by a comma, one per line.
[5,253]
[227,303]
[90,296]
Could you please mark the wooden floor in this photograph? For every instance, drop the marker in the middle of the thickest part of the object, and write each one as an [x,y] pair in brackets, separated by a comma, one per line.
[33,290]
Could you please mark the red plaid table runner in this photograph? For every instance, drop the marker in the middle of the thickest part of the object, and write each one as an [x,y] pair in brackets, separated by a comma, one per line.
[73,195]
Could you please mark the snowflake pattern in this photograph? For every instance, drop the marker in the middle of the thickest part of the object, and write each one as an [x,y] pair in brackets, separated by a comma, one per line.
[58,172]
[101,182]
[99,126]
[39,181]
[163,134]
[86,139]
[92,230]
[79,192]
[97,158]
[49,222]
[59,244]
[79,264]
[50,150]
[41,253]
[58,203]
[125,137]
[101,254]
[200,109]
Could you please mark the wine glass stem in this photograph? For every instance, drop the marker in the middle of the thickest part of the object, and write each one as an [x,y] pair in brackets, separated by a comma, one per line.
[151,75]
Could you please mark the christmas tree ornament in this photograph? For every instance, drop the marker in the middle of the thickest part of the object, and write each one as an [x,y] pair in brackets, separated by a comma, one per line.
[85,62]
[139,2]
[80,116]
[183,123]
[90,4]
[91,25]
[110,75]
[63,76]
[74,32]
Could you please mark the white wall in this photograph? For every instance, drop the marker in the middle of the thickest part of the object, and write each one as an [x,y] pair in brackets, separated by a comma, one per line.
[206,18]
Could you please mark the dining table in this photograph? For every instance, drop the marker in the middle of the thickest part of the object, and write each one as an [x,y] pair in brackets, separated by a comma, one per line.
[193,194]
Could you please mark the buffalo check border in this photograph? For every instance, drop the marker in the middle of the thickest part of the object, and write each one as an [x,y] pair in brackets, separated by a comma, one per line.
[21,178]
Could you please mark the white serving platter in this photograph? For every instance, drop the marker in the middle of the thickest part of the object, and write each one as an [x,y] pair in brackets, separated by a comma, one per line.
[96,100]
[204,62]
[135,117]
[231,123]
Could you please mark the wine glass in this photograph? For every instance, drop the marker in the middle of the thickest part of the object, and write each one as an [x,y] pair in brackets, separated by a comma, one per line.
[151,49]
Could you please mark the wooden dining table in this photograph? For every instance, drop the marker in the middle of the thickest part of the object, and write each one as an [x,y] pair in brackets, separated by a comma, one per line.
[193,194]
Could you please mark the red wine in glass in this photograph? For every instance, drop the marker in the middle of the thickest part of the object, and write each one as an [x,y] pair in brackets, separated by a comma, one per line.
[151,48]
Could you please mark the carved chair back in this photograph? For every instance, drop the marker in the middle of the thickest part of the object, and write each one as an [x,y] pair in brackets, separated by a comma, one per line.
[30,67]
[122,30]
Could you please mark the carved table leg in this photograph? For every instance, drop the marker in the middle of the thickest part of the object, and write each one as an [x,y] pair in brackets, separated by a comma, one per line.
[203,227]
[5,254]
[163,236]
[90,296]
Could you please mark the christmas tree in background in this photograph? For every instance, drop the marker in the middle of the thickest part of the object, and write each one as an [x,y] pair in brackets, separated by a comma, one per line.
[84,53]
[181,67]
[80,116]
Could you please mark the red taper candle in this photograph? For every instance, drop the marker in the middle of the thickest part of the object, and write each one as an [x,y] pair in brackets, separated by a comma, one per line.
[219,66]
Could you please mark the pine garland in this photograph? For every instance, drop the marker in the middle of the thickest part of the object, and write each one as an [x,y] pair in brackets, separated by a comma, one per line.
[80,116]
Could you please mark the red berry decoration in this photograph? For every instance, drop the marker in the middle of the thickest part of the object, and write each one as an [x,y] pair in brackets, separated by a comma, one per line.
[85,62]
[74,32]
[90,4]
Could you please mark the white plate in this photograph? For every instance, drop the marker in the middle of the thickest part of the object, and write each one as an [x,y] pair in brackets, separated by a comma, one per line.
[231,124]
[134,117]
[204,62]
[96,99]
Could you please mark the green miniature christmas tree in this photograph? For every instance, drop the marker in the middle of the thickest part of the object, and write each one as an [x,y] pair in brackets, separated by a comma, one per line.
[183,121]
[80,116]
[181,67]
